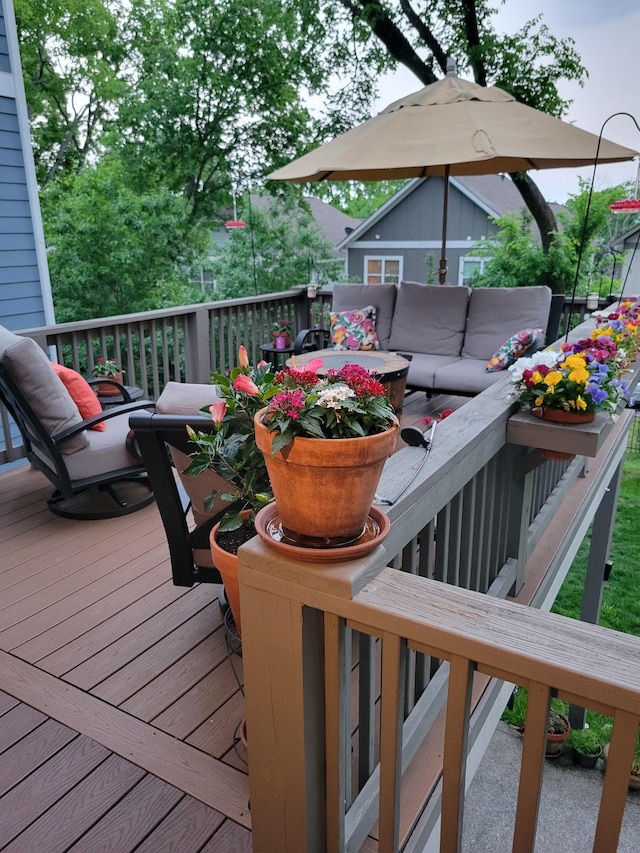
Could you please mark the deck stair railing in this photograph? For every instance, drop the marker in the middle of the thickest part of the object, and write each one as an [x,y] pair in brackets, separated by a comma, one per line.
[360,676]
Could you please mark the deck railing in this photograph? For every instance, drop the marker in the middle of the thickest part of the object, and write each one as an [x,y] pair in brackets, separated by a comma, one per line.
[359,677]
[183,344]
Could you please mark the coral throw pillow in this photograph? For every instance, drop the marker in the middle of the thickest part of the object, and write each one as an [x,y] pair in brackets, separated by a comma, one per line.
[81,393]
[515,347]
[354,330]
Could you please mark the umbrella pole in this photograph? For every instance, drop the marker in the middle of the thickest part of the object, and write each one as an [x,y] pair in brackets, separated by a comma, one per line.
[442,272]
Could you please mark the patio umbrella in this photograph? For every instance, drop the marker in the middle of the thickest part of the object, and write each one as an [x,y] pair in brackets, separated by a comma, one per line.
[452,127]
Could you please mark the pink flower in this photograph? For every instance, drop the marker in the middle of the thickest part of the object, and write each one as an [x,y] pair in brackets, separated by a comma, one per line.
[314,365]
[218,411]
[246,385]
[262,363]
[445,413]
[243,357]
[426,421]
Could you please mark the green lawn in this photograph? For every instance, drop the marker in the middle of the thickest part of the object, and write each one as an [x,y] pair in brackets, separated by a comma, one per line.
[621,595]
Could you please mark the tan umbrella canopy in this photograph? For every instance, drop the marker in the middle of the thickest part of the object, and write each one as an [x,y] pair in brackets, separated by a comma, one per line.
[452,127]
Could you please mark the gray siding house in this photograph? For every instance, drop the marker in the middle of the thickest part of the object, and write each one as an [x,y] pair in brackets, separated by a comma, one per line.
[402,240]
[25,291]
[629,243]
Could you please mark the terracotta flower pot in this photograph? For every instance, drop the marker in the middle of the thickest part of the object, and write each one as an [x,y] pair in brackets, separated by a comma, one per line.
[324,487]
[555,740]
[560,416]
[227,564]
[109,390]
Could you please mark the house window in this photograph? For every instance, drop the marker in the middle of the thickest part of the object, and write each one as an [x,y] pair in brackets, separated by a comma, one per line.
[469,265]
[381,270]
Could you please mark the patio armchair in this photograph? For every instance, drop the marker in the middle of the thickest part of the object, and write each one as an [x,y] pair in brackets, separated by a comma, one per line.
[90,458]
[165,447]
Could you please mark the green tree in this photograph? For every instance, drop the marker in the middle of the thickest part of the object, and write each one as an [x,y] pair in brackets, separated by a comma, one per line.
[71,53]
[516,258]
[280,248]
[113,250]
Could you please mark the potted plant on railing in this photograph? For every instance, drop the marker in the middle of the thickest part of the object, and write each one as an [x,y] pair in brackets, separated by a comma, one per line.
[109,369]
[325,442]
[570,386]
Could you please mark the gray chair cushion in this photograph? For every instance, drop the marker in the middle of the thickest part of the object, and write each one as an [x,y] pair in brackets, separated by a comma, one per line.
[105,452]
[50,400]
[347,297]
[430,319]
[497,313]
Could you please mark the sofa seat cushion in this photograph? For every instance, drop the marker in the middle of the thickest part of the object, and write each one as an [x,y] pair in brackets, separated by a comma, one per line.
[50,400]
[348,297]
[497,313]
[423,368]
[465,376]
[185,398]
[430,318]
[354,330]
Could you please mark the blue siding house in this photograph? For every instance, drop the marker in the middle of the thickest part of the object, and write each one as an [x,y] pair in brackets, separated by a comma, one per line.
[25,290]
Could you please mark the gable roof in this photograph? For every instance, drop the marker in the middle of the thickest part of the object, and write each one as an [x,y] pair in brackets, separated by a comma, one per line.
[496,195]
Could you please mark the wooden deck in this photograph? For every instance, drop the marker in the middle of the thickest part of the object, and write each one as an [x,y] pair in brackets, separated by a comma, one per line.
[119,695]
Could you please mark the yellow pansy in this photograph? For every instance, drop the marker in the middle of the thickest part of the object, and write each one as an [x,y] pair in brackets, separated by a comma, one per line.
[536,377]
[580,403]
[552,378]
[539,401]
[580,374]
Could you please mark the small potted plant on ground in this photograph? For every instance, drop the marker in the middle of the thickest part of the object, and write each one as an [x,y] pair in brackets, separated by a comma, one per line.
[587,749]
[108,368]
[558,731]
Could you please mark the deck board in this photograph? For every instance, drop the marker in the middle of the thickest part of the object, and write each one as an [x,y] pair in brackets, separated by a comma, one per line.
[120,701]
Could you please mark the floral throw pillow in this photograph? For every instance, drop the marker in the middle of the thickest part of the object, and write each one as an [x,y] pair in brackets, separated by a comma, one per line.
[515,347]
[354,330]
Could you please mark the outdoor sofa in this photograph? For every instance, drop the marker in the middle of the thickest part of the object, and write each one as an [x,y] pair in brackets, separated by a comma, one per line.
[449,333]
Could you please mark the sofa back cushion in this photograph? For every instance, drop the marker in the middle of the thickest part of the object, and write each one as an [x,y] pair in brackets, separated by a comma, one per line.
[497,313]
[347,297]
[429,318]
[49,399]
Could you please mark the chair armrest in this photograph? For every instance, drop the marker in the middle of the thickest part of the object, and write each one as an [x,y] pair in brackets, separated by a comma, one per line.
[87,423]
[301,344]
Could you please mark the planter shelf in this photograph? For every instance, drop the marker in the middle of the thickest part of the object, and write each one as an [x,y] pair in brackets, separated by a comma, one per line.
[580,439]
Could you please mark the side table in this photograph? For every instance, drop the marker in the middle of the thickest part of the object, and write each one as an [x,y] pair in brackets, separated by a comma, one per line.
[134,392]
[278,357]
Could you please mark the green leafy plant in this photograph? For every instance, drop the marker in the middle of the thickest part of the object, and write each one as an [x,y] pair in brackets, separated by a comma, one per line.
[585,741]
[282,327]
[231,450]
[107,367]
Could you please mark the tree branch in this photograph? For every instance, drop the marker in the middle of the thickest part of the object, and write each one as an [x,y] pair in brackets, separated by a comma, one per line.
[390,36]
[426,35]
[473,42]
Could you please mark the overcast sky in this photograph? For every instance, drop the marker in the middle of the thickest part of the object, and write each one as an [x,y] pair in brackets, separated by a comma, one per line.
[607,38]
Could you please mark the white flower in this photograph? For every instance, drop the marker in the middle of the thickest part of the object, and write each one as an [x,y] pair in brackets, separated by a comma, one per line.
[547,357]
[333,396]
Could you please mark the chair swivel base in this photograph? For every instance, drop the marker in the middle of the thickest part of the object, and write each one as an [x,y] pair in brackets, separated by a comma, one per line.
[106,500]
